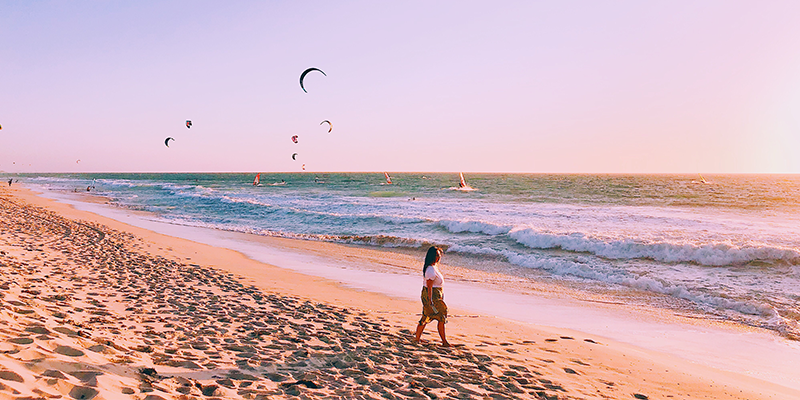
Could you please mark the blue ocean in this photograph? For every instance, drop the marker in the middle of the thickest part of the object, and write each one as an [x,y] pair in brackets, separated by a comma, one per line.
[725,246]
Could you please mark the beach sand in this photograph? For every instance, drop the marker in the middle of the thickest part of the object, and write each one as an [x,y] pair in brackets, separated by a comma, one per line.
[94,308]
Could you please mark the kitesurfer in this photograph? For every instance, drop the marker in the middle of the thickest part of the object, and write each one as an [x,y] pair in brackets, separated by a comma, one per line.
[9,182]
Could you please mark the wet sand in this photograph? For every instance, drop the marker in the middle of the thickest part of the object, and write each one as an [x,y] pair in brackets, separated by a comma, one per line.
[94,308]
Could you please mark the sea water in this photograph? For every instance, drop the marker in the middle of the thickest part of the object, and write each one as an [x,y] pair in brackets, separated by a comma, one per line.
[727,246]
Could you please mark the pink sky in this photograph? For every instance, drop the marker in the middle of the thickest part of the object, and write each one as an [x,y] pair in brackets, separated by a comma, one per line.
[628,87]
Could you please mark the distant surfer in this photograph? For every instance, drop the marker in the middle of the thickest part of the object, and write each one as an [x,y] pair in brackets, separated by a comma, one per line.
[10,181]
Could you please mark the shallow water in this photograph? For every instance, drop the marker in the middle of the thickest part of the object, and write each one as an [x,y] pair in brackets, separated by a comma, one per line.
[728,249]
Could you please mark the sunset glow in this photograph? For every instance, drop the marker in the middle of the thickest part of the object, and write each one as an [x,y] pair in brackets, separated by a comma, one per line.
[619,87]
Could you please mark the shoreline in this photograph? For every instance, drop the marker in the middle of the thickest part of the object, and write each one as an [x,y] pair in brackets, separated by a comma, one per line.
[718,344]
[399,312]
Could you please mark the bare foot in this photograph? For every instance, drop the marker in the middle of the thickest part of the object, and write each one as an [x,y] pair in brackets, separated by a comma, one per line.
[445,344]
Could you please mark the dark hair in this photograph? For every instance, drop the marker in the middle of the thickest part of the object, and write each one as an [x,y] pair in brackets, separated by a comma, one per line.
[433,255]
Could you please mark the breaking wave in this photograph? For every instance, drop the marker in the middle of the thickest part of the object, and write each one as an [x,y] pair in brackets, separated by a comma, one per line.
[710,254]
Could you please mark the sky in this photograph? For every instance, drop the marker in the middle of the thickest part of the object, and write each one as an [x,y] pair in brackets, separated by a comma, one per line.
[530,86]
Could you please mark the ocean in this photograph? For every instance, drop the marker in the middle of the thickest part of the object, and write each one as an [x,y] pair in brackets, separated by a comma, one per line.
[724,247]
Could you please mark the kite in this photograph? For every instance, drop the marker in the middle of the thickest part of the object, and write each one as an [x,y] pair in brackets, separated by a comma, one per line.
[294,138]
[293,156]
[303,75]
[189,124]
[166,142]
[330,125]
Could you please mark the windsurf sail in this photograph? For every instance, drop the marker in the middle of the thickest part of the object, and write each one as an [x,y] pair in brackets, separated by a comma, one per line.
[257,180]
[388,179]
[702,179]
[462,183]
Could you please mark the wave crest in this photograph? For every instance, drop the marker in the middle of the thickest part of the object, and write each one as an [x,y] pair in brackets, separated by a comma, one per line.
[713,254]
[474,227]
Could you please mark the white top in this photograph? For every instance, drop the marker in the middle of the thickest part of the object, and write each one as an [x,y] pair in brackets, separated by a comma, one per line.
[432,273]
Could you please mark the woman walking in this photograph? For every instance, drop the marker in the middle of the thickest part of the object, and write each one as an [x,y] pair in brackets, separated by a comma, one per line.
[433,306]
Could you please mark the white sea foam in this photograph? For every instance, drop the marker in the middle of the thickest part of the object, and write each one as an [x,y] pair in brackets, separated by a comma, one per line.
[587,270]
[375,240]
[475,227]
[712,254]
[119,182]
[230,199]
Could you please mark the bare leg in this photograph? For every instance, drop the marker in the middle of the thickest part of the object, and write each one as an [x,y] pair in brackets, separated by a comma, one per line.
[441,334]
[420,328]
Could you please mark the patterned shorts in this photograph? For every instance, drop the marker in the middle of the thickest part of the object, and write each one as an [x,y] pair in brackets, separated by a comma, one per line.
[437,310]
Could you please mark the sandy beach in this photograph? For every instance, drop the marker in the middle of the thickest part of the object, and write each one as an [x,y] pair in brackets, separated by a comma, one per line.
[96,308]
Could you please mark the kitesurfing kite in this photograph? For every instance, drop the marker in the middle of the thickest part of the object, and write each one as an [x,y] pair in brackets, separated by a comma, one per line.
[330,125]
[166,142]
[189,124]
[304,167]
[303,76]
[78,162]
[294,138]
[1,127]
[293,156]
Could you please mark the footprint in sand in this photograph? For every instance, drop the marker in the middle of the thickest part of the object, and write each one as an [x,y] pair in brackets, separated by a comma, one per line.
[68,351]
[82,392]
[11,376]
